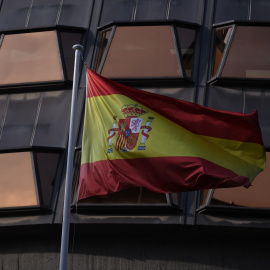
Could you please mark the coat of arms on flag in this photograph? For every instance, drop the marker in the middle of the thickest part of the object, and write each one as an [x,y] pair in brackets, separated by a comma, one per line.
[129,129]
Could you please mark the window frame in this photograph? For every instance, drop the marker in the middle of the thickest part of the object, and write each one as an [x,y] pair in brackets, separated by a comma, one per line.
[65,83]
[217,79]
[156,81]
[40,207]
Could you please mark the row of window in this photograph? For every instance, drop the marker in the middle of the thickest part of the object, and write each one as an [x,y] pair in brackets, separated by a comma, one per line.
[166,51]
[137,52]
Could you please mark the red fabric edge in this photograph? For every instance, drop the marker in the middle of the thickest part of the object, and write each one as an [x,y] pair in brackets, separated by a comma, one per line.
[164,174]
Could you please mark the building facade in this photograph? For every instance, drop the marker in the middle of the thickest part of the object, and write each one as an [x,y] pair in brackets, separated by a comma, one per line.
[211,52]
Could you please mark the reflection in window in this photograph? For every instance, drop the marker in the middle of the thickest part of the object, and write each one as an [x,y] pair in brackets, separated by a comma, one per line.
[30,57]
[17,182]
[142,51]
[186,38]
[46,168]
[27,178]
[248,55]
[102,46]
[255,196]
[68,40]
[146,52]
[221,40]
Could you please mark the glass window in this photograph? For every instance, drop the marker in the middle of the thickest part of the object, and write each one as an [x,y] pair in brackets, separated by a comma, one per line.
[17,180]
[255,196]
[29,58]
[158,10]
[231,10]
[221,40]
[18,123]
[27,179]
[46,168]
[43,13]
[186,37]
[53,120]
[39,119]
[102,46]
[248,54]
[116,10]
[68,40]
[142,52]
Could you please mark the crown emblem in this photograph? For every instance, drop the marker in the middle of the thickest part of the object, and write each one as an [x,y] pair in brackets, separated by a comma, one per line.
[133,110]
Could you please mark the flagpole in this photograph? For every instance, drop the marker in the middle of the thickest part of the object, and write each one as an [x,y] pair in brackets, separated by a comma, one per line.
[69,175]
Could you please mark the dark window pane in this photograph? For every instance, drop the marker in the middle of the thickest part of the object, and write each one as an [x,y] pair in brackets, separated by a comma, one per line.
[187,43]
[231,10]
[14,14]
[128,196]
[46,170]
[259,99]
[158,10]
[255,196]
[116,10]
[75,13]
[221,40]
[260,10]
[102,46]
[185,93]
[68,40]
[142,52]
[43,13]
[249,55]
[3,110]
[225,99]
[53,121]
[188,11]
[30,57]
[17,182]
[19,121]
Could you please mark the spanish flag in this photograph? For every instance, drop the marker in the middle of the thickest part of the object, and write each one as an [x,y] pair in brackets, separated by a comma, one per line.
[134,138]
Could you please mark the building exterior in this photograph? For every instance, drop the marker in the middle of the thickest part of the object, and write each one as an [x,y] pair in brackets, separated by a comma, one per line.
[211,52]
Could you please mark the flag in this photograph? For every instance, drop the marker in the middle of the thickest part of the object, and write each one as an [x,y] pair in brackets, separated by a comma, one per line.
[133,138]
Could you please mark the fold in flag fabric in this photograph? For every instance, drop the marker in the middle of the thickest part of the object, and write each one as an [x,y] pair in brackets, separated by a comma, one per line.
[134,138]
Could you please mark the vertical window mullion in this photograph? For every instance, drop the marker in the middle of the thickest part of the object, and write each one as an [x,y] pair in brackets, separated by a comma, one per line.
[36,179]
[178,52]
[103,58]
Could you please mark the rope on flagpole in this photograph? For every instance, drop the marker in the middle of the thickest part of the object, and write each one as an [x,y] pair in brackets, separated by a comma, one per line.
[83,60]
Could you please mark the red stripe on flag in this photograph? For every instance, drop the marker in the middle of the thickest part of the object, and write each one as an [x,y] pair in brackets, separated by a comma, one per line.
[174,174]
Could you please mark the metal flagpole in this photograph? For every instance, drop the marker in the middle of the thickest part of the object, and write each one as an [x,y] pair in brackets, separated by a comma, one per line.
[71,145]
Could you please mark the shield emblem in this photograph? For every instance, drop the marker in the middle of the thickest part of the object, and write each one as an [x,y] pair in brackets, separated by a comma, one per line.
[128,134]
